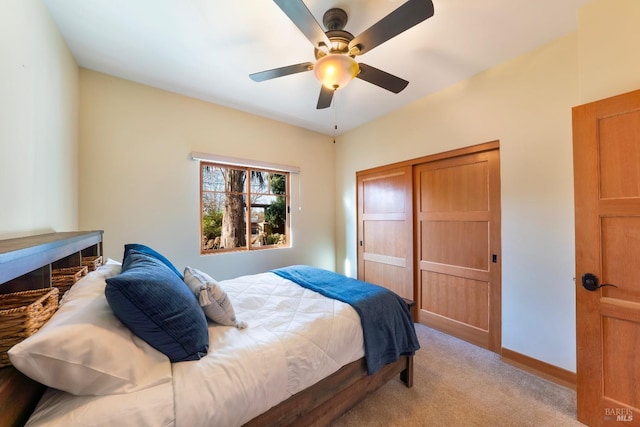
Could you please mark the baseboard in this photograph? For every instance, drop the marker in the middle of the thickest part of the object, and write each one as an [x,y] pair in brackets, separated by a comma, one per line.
[542,369]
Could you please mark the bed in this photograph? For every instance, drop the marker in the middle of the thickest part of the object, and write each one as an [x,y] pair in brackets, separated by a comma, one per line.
[283,352]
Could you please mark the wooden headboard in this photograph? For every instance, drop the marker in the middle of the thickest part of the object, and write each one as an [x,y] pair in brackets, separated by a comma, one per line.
[26,263]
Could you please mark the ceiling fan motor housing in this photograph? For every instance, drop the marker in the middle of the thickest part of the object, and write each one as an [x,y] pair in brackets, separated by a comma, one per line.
[334,21]
[339,43]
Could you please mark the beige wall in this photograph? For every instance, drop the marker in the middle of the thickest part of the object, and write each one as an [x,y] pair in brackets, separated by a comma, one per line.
[609,37]
[38,123]
[139,185]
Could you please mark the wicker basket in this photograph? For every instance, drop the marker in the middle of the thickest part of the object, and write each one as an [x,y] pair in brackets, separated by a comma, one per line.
[64,278]
[22,314]
[92,262]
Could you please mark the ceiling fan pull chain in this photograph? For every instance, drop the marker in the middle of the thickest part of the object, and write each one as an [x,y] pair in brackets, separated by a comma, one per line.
[335,117]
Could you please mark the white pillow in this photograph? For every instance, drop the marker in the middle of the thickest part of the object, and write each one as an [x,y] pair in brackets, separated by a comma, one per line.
[85,350]
[113,263]
[213,299]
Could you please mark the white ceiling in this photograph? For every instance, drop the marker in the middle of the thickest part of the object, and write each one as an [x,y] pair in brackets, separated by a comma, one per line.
[207,49]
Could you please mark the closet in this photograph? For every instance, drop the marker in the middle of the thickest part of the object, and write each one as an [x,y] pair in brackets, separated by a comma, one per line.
[429,229]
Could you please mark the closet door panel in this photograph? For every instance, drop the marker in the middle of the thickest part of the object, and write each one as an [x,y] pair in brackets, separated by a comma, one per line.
[385,229]
[457,217]
[460,243]
[460,299]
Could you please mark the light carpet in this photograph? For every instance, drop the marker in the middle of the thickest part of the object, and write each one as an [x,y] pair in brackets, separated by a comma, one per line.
[457,384]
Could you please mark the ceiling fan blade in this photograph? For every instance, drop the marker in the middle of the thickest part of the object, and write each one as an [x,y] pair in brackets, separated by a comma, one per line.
[282,71]
[406,16]
[324,100]
[381,78]
[304,20]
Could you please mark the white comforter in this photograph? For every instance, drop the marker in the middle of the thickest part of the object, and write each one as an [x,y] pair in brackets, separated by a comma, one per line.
[295,338]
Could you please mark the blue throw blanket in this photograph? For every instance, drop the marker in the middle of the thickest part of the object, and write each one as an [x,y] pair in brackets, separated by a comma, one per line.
[387,326]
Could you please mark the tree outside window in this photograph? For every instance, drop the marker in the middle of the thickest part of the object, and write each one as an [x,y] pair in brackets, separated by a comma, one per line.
[243,208]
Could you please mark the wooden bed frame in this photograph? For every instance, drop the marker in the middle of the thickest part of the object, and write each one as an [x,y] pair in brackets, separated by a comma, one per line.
[25,263]
[331,397]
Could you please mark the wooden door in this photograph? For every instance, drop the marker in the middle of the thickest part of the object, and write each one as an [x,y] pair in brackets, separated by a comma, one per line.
[606,153]
[457,205]
[385,229]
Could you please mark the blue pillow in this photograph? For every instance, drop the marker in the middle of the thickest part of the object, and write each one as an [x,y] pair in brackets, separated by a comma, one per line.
[147,250]
[158,307]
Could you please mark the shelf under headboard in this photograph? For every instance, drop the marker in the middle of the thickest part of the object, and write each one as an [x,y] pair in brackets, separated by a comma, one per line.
[25,263]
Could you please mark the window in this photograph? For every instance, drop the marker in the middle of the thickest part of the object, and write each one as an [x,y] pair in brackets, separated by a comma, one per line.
[243,208]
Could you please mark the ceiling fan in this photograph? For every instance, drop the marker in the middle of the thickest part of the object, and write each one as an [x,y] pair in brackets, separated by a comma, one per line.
[335,50]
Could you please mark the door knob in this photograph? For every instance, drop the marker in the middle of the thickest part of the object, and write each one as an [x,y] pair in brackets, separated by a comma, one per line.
[590,282]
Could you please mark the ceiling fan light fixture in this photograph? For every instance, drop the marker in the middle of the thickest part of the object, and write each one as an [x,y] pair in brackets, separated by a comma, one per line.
[336,70]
